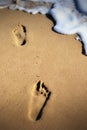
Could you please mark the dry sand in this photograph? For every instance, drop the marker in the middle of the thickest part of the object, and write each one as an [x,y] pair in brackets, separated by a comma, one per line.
[53,58]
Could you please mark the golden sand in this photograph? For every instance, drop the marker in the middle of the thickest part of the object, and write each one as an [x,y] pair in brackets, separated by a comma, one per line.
[53,58]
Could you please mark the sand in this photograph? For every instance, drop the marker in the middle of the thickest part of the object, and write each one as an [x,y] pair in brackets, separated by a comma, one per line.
[48,56]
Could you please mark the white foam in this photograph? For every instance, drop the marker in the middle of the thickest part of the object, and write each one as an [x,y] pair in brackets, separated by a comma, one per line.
[69,20]
[70,16]
[82,5]
[5,3]
[52,1]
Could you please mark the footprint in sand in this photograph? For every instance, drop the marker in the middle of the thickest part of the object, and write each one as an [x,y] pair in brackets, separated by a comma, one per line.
[40,95]
[19,33]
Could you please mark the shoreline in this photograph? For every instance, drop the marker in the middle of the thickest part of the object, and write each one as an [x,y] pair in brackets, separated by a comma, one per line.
[48,56]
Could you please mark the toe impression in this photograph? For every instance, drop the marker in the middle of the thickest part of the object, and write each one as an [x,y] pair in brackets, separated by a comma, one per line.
[40,96]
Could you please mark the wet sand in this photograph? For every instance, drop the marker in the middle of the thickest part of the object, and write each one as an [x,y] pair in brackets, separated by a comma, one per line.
[53,58]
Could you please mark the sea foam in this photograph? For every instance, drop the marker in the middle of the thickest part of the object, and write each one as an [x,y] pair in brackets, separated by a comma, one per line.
[70,15]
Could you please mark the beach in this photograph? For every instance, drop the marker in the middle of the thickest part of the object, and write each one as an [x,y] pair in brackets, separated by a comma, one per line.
[53,58]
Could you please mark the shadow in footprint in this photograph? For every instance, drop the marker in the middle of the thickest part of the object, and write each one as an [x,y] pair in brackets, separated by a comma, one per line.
[24,29]
[39,98]
[42,108]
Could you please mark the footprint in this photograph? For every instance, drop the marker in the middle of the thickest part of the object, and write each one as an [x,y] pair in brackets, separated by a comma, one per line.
[39,97]
[19,33]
